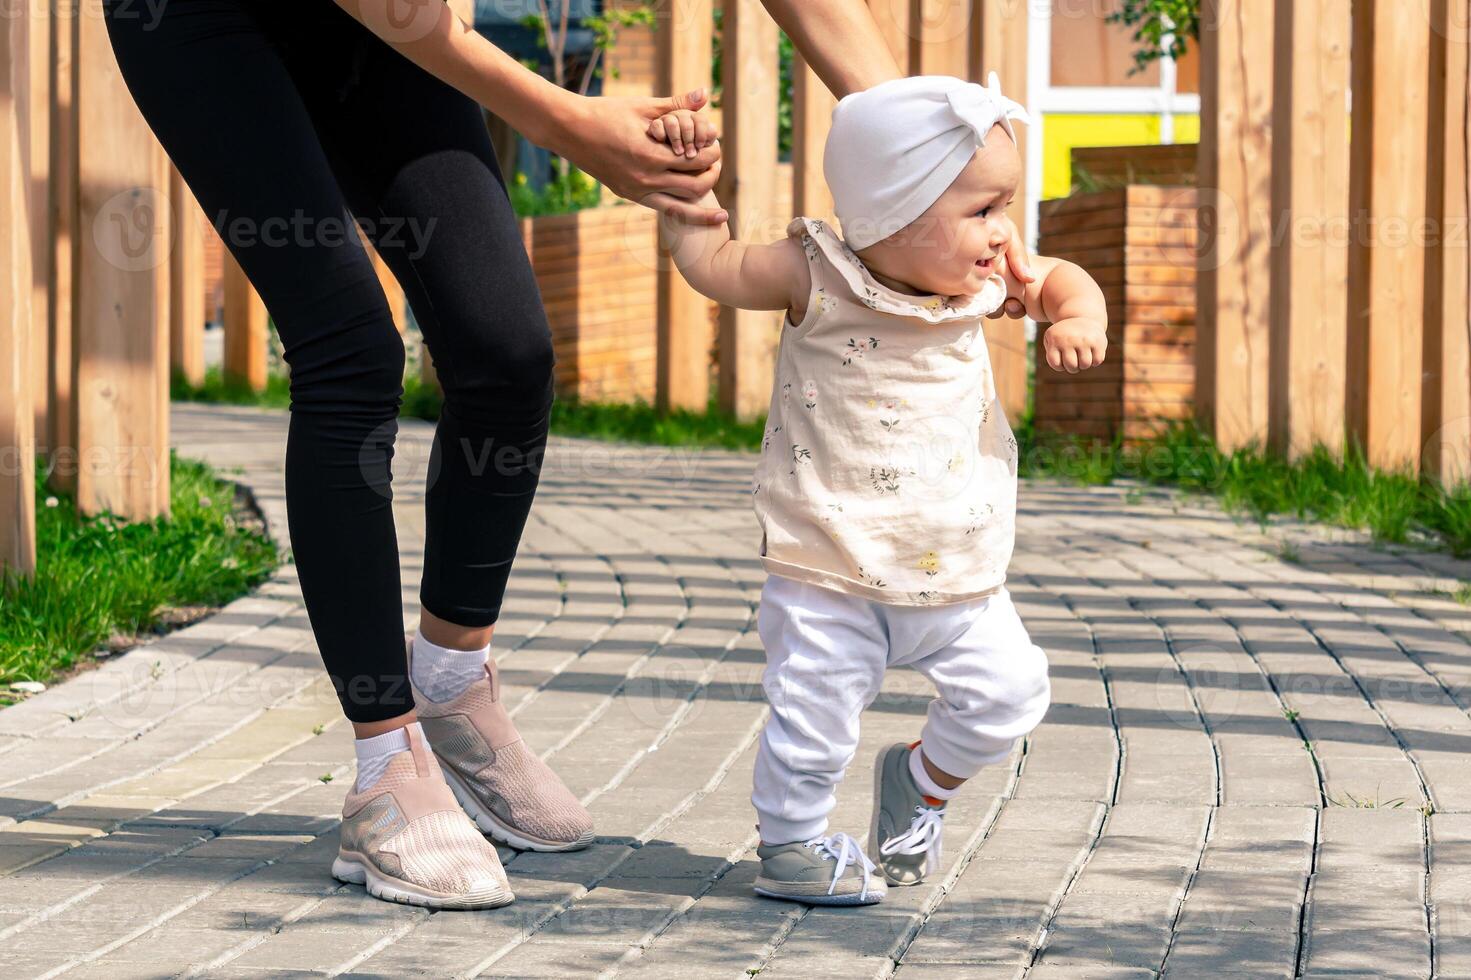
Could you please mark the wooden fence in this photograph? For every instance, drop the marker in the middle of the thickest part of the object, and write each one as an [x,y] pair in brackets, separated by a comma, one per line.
[1300,336]
[1333,273]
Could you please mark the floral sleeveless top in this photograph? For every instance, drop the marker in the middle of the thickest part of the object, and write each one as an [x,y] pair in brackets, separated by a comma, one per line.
[888,469]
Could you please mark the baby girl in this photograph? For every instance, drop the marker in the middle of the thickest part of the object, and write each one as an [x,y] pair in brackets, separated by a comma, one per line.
[886,487]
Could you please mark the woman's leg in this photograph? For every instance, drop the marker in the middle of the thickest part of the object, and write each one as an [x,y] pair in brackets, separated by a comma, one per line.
[416,164]
[211,84]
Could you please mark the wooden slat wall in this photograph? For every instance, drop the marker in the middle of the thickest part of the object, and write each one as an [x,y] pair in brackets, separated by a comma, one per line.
[940,38]
[39,162]
[1387,200]
[186,299]
[597,271]
[120,365]
[61,425]
[17,422]
[1235,220]
[1446,420]
[1138,242]
[684,330]
[812,115]
[748,338]
[247,334]
[1103,167]
[1309,259]
[998,42]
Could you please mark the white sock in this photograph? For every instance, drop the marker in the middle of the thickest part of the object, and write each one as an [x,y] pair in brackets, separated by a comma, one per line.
[442,674]
[376,752]
[921,777]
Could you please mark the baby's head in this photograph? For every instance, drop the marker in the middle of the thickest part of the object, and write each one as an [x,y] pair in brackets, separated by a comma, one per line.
[921,170]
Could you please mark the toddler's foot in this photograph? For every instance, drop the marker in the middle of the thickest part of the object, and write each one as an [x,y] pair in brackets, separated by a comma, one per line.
[907,829]
[829,870]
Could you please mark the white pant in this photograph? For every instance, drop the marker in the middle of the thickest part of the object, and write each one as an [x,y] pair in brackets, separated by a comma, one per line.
[826,653]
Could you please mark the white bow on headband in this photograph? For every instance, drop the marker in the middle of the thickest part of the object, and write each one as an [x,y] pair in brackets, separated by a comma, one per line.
[981,107]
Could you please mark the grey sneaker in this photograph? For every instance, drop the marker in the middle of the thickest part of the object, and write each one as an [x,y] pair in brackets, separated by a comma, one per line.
[906,832]
[829,870]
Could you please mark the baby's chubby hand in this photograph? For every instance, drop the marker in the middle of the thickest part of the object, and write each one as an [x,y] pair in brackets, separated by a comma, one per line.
[686,131]
[1075,344]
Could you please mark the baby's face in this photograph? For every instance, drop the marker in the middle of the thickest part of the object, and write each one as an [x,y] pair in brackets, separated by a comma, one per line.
[959,241]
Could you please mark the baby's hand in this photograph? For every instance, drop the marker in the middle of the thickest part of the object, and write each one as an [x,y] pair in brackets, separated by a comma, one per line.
[1075,345]
[686,131]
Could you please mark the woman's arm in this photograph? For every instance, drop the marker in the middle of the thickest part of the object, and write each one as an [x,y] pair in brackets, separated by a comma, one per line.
[605,137]
[839,39]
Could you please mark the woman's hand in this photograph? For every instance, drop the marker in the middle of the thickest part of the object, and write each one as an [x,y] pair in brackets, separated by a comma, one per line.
[610,139]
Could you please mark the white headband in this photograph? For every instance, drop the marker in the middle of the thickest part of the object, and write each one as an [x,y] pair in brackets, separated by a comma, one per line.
[893,149]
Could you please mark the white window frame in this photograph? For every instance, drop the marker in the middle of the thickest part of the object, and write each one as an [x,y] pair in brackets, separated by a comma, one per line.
[1043,97]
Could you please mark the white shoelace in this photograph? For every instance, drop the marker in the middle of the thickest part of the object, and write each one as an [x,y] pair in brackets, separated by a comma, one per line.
[844,850]
[924,835]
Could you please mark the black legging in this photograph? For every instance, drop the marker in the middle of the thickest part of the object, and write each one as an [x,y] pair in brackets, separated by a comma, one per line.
[283,116]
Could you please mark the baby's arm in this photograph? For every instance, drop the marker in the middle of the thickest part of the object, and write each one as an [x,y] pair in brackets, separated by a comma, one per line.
[1065,296]
[748,277]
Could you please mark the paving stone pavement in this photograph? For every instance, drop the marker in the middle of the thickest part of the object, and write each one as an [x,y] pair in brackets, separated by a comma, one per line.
[1251,767]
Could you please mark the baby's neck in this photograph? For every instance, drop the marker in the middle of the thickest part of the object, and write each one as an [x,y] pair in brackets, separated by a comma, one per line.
[895,284]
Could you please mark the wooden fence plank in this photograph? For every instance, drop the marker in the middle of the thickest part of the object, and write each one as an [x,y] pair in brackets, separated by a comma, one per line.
[1446,424]
[186,284]
[1391,48]
[246,329]
[1309,260]
[61,425]
[894,19]
[121,354]
[749,89]
[1235,219]
[17,421]
[812,115]
[39,163]
[997,42]
[940,40]
[685,334]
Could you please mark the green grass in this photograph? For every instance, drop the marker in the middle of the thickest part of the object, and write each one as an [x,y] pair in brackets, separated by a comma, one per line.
[219,391]
[1339,489]
[102,578]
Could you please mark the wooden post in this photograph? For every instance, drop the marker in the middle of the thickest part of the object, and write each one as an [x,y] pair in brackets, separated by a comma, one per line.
[998,42]
[1391,49]
[749,64]
[940,37]
[39,63]
[17,421]
[246,333]
[392,291]
[1309,260]
[1234,271]
[812,116]
[684,332]
[120,369]
[1446,426]
[61,409]
[186,281]
[894,19]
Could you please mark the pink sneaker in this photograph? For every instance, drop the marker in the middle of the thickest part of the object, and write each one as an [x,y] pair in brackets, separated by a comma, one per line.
[407,840]
[507,789]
